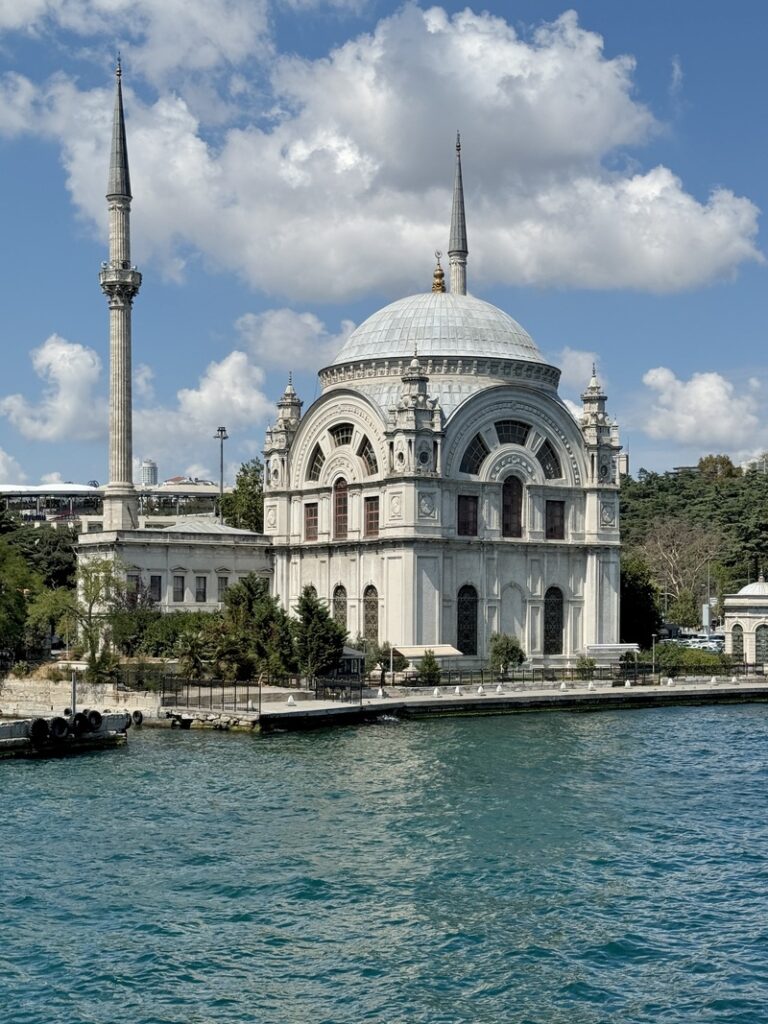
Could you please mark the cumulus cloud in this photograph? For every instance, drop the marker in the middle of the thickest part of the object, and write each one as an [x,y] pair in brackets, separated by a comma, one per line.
[228,393]
[68,409]
[576,367]
[335,179]
[143,377]
[703,410]
[291,341]
[52,478]
[10,470]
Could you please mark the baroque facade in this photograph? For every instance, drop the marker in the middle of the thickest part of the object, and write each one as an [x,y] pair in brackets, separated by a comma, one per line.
[439,490]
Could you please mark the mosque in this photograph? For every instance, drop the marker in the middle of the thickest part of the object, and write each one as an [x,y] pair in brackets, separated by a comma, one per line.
[439,489]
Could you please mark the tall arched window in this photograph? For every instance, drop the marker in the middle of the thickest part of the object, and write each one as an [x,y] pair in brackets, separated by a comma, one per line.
[737,642]
[340,509]
[466,620]
[512,507]
[553,621]
[340,606]
[761,645]
[371,614]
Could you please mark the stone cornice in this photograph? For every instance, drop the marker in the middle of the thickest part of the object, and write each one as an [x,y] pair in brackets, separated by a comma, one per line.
[436,366]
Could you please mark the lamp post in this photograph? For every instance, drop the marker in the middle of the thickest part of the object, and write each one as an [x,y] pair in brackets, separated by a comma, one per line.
[653,656]
[221,435]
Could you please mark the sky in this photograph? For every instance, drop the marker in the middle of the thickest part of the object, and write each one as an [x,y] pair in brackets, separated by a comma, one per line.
[292,167]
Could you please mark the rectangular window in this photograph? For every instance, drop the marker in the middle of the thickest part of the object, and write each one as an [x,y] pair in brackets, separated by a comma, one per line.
[155,587]
[178,588]
[133,585]
[310,521]
[201,589]
[222,583]
[372,517]
[467,515]
[555,520]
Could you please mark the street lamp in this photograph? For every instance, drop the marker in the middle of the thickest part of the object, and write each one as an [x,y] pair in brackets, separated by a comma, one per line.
[221,436]
[653,656]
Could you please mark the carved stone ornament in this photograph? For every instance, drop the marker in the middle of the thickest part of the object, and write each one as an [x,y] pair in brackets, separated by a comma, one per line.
[427,506]
[607,513]
[271,517]
[396,506]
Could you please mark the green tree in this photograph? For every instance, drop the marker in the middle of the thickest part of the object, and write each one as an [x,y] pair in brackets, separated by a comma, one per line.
[429,669]
[18,586]
[251,611]
[244,506]
[49,612]
[506,653]
[684,610]
[318,640]
[193,652]
[639,616]
[716,467]
[48,552]
[100,584]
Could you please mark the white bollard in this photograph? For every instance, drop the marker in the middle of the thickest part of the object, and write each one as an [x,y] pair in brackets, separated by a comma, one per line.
[436,692]
[457,691]
[590,685]
[627,682]
[480,690]
[563,686]
[291,702]
[670,682]
[734,679]
[380,693]
[499,688]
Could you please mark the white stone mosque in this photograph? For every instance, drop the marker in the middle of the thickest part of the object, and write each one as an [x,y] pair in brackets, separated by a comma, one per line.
[439,490]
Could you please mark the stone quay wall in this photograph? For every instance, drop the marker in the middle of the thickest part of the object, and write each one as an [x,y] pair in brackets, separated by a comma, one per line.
[26,697]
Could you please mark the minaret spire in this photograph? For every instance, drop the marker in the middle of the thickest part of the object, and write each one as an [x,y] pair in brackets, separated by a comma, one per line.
[457,244]
[120,282]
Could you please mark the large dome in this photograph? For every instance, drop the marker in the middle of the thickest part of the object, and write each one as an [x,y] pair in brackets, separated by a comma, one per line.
[439,324]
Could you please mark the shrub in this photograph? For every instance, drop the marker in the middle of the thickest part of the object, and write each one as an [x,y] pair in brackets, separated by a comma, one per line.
[429,669]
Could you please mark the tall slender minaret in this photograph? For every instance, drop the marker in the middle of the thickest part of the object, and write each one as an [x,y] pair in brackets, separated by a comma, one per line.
[457,244]
[120,282]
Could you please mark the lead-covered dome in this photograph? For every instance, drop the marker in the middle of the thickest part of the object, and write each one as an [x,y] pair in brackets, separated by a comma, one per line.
[759,589]
[439,324]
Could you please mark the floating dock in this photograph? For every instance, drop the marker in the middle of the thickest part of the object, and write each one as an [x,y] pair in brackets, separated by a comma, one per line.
[62,736]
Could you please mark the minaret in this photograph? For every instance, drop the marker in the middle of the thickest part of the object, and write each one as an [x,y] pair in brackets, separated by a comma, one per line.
[457,244]
[120,282]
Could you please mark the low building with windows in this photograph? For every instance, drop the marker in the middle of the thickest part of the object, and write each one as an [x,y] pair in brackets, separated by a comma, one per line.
[439,489]
[746,623]
[186,567]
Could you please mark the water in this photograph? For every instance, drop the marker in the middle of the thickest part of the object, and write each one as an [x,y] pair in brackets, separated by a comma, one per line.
[539,868]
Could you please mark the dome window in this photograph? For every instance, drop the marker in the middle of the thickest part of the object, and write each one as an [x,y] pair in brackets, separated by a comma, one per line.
[512,432]
[368,455]
[316,463]
[341,434]
[550,463]
[474,456]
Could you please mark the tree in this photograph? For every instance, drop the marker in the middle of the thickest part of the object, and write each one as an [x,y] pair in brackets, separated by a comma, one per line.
[685,610]
[318,639]
[506,653]
[48,552]
[49,612]
[192,650]
[244,507]
[429,669]
[100,584]
[677,553]
[716,467]
[18,585]
[251,611]
[639,618]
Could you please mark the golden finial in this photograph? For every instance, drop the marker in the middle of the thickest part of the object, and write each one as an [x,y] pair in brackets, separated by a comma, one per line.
[438,277]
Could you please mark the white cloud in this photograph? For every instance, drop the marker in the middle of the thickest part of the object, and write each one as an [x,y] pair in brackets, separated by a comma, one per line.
[229,393]
[291,341]
[10,470]
[576,367]
[336,180]
[143,388]
[703,410]
[68,409]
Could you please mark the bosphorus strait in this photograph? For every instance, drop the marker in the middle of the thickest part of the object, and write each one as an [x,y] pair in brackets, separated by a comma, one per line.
[536,868]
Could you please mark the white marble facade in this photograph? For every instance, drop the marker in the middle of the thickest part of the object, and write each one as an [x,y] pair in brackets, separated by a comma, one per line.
[443,497]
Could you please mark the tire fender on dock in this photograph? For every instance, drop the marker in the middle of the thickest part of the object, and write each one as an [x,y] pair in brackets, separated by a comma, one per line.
[138,717]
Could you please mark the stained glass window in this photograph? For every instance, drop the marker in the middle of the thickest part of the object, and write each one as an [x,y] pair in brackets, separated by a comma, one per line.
[342,434]
[476,452]
[466,620]
[340,606]
[512,507]
[371,614]
[367,454]
[340,509]
[316,463]
[737,642]
[512,431]
[553,621]
[761,645]
[550,463]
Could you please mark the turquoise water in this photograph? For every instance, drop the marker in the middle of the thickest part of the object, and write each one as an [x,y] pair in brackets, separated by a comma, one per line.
[541,868]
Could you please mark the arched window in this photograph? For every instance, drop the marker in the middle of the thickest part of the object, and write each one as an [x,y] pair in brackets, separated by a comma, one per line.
[761,645]
[473,458]
[340,509]
[316,463]
[342,434]
[512,432]
[340,606]
[512,507]
[553,621]
[466,620]
[550,463]
[737,642]
[371,614]
[368,455]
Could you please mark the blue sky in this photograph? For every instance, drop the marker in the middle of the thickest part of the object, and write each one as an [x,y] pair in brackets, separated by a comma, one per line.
[292,167]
